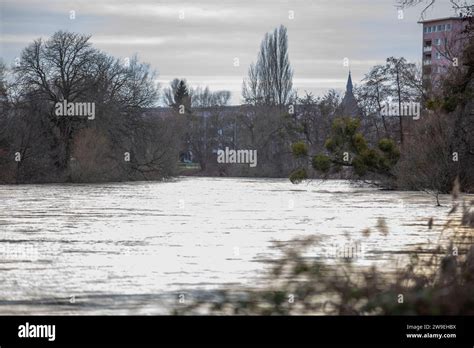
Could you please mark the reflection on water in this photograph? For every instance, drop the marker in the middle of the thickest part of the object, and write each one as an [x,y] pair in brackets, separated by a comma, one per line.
[125,248]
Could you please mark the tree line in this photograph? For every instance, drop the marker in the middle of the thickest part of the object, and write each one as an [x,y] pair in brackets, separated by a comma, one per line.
[300,136]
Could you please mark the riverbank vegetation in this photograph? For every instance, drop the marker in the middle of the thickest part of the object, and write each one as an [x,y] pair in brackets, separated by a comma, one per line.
[117,143]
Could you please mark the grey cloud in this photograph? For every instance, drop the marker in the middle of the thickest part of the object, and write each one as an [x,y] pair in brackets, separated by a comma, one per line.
[202,46]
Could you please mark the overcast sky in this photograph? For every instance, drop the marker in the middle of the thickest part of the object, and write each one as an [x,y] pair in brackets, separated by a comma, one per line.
[203,45]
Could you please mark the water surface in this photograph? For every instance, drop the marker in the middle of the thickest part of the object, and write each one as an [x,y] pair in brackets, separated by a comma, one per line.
[125,248]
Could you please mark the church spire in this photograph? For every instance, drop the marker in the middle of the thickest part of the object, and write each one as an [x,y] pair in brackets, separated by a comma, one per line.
[349,103]
[349,84]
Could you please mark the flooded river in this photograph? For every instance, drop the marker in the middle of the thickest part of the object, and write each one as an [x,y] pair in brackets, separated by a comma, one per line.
[125,248]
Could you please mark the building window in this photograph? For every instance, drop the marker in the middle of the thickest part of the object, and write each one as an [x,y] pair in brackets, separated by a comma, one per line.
[445,42]
[425,30]
[448,27]
[438,55]
[438,42]
[439,27]
[443,27]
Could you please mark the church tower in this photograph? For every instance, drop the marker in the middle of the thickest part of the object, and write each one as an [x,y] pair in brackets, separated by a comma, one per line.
[349,103]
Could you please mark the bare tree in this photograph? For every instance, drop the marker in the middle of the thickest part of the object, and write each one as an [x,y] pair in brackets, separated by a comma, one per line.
[170,91]
[404,83]
[57,70]
[462,7]
[427,163]
[67,68]
[373,93]
[270,80]
[204,97]
[200,97]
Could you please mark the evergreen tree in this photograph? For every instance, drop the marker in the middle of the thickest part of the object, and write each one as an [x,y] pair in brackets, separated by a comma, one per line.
[181,96]
[346,147]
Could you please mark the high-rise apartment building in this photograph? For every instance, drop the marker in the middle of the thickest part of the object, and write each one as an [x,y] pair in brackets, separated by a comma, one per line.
[442,46]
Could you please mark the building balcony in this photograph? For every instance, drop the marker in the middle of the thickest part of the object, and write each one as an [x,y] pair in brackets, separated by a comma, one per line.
[427,62]
[427,49]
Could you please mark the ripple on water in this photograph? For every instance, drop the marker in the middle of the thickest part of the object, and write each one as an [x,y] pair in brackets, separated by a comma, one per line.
[124,247]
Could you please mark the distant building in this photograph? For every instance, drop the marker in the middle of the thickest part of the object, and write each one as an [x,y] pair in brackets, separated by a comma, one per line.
[442,46]
[349,105]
